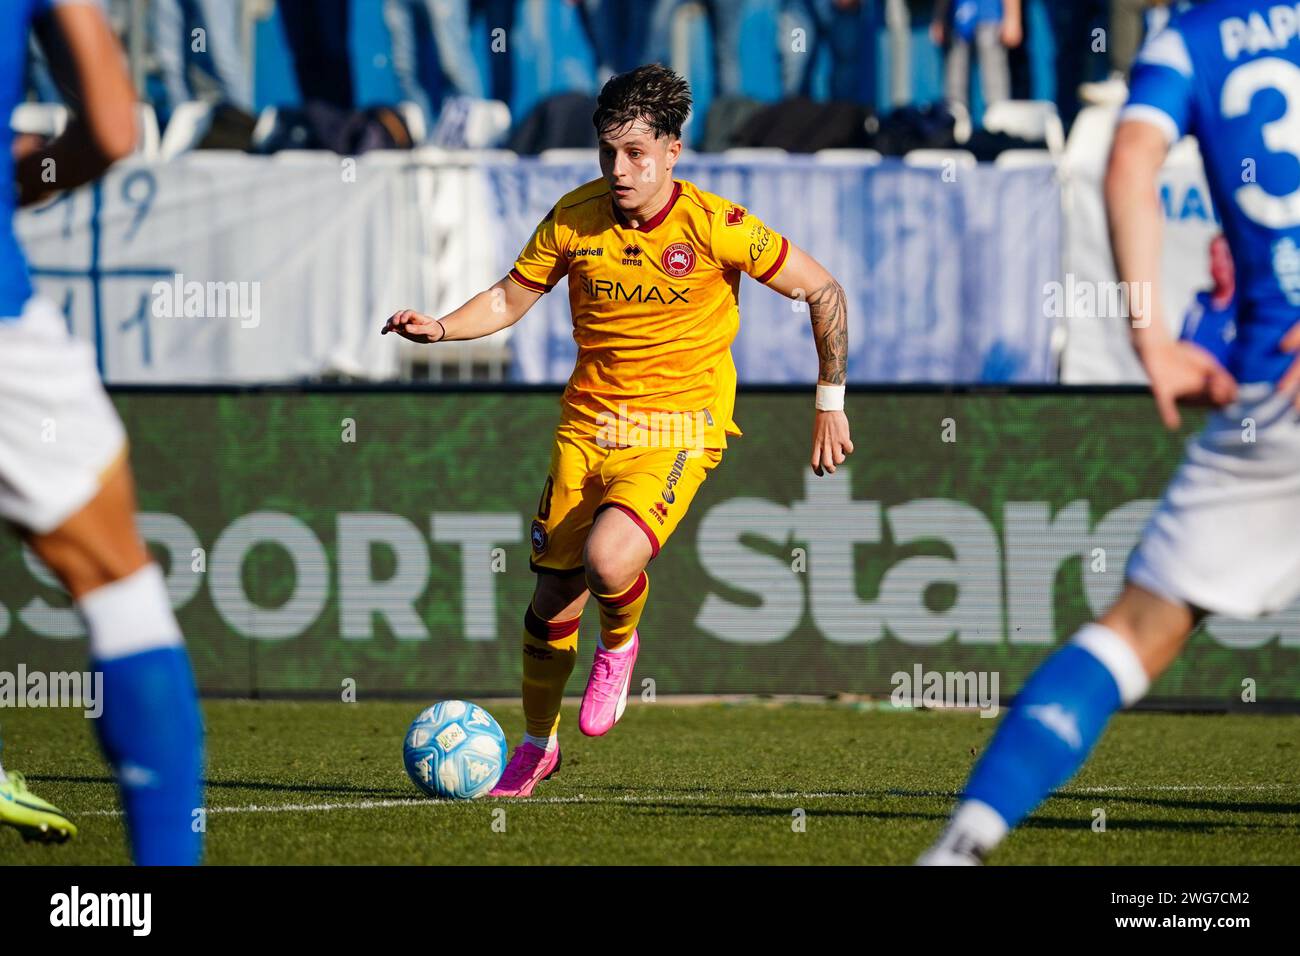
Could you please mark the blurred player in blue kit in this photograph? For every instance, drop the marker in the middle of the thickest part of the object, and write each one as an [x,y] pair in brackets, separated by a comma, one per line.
[1224,537]
[65,482]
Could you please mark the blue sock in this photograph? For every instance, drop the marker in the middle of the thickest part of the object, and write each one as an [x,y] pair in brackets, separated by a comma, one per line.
[1057,718]
[152,733]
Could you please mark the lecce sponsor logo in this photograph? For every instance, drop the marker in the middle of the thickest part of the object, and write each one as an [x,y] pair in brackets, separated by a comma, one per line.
[678,260]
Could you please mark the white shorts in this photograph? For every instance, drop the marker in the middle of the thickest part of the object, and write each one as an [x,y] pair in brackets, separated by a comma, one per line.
[59,432]
[1226,535]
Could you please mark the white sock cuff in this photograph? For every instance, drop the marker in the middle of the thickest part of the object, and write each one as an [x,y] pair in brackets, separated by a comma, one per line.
[977,820]
[1118,657]
[130,615]
[621,649]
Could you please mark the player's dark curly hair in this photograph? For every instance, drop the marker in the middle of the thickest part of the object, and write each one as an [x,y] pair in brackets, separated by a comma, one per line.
[652,93]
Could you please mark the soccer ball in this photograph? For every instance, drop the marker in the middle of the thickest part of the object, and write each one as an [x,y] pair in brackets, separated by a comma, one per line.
[455,750]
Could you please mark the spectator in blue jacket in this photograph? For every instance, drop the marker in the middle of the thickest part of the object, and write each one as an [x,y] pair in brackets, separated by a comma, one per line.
[990,27]
[724,20]
[200,34]
[447,23]
[844,29]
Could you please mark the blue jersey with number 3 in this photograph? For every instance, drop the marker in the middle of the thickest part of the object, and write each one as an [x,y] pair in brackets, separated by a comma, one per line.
[1228,73]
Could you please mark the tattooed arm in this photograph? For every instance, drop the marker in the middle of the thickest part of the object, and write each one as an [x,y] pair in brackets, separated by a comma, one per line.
[830,331]
[804,280]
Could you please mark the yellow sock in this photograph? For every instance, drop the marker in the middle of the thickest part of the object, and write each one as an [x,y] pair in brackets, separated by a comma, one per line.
[620,613]
[550,648]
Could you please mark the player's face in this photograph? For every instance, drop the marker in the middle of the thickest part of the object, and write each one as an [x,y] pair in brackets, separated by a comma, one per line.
[637,165]
[1221,266]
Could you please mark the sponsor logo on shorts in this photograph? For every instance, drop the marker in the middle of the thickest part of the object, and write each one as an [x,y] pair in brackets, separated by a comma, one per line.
[538,537]
[674,476]
[678,260]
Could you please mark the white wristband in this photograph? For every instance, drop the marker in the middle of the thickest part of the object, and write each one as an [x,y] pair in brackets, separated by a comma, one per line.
[830,398]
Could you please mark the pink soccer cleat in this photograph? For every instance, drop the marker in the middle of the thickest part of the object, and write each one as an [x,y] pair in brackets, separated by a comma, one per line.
[529,765]
[606,697]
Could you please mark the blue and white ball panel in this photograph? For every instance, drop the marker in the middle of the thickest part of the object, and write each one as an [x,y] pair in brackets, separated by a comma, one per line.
[1226,535]
[59,431]
[455,750]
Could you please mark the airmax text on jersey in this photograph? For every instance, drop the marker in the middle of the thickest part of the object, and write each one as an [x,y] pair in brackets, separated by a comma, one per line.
[617,292]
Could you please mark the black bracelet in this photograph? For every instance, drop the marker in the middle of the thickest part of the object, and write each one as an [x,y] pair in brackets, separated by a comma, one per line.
[444,331]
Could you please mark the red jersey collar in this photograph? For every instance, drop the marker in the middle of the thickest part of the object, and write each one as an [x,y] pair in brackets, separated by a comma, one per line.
[657,218]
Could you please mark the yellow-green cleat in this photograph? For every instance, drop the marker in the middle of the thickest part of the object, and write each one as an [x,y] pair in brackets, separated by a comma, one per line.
[31,816]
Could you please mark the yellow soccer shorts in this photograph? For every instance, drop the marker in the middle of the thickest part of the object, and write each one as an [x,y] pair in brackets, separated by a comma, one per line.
[653,486]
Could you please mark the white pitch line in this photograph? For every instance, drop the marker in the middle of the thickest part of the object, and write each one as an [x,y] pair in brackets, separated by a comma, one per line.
[632,798]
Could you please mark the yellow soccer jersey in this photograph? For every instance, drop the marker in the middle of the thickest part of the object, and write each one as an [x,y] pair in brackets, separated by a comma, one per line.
[654,307]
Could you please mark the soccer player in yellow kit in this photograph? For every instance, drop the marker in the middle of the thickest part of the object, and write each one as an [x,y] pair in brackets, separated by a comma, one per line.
[654,269]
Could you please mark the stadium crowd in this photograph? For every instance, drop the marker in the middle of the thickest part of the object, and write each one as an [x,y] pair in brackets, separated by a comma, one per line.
[200,49]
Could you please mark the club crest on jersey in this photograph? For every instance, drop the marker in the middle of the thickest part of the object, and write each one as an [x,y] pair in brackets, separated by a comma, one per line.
[678,260]
[538,536]
[735,216]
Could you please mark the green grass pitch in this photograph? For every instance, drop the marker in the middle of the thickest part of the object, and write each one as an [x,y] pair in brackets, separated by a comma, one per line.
[323,783]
